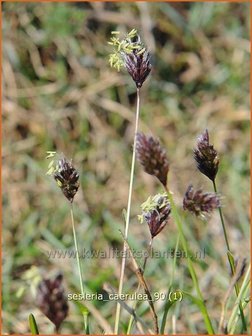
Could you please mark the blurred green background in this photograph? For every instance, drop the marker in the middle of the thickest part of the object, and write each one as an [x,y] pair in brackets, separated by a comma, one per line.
[59,93]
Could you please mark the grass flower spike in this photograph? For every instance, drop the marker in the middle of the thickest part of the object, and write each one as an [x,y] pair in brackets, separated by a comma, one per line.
[138,63]
[156,212]
[199,202]
[51,300]
[67,178]
[206,156]
[152,157]
[131,53]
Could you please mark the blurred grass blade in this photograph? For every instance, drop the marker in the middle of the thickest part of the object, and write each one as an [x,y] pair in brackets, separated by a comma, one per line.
[87,330]
[231,261]
[191,269]
[33,325]
[195,300]
[168,305]
[83,309]
[242,296]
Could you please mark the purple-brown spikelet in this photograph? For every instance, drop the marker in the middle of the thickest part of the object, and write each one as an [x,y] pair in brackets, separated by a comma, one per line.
[152,157]
[51,300]
[67,178]
[206,156]
[199,202]
[138,64]
[157,218]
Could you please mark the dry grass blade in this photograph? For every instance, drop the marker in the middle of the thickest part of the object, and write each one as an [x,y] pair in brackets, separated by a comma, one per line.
[139,322]
[139,274]
[235,279]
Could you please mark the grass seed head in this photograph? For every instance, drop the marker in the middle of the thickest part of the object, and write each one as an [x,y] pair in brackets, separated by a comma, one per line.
[206,156]
[130,52]
[152,157]
[199,202]
[137,62]
[51,300]
[156,213]
[67,178]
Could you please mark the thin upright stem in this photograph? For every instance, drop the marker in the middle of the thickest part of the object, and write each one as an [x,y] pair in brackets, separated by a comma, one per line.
[118,306]
[78,264]
[231,261]
[167,304]
[132,317]
[222,220]
[149,252]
